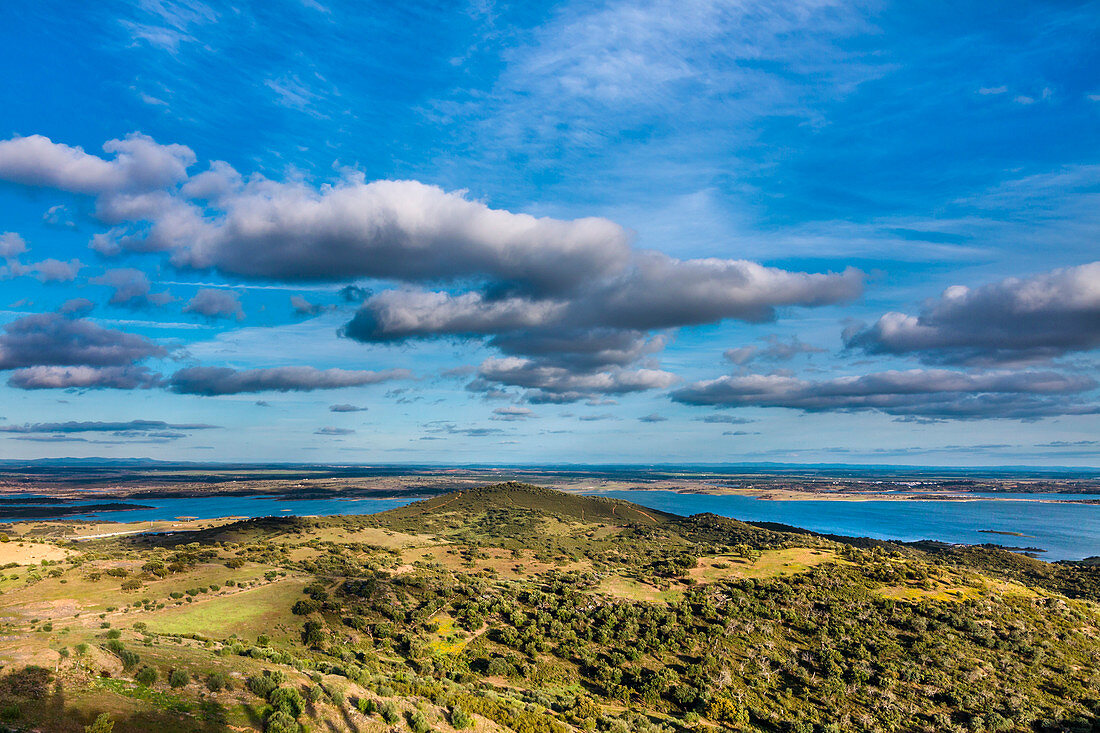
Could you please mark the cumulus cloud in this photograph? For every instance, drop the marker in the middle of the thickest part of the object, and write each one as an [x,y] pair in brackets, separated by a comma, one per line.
[139,163]
[53,339]
[131,288]
[303,307]
[450,428]
[660,292]
[776,350]
[211,381]
[354,294]
[345,408]
[129,426]
[611,323]
[512,414]
[49,270]
[84,377]
[551,384]
[725,419]
[58,217]
[56,271]
[76,306]
[215,303]
[11,245]
[1013,321]
[567,295]
[917,393]
[351,228]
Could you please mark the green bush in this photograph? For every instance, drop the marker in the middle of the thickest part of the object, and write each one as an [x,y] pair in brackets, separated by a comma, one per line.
[102,724]
[460,719]
[262,685]
[179,678]
[280,722]
[418,722]
[216,681]
[288,700]
[389,712]
[146,676]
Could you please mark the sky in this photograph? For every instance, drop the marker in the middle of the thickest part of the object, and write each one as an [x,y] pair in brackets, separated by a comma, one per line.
[596,232]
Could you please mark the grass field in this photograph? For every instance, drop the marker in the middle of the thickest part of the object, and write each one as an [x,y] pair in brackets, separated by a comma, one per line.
[247,613]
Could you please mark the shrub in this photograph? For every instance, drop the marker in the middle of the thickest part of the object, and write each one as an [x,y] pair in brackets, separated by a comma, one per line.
[389,712]
[262,685]
[178,678]
[102,724]
[460,718]
[287,699]
[114,634]
[280,722]
[366,705]
[418,722]
[129,659]
[216,681]
[146,676]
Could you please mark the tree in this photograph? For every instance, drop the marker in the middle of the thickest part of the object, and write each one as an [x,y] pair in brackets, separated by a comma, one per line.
[146,676]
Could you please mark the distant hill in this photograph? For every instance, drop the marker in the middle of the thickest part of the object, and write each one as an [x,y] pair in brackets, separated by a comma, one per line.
[513,497]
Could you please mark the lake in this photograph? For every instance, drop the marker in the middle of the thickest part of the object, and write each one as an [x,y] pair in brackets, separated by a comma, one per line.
[1064,531]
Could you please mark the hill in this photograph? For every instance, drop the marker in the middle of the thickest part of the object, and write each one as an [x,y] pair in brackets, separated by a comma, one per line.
[518,608]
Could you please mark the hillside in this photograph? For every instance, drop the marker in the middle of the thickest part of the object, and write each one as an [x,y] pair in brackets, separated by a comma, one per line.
[518,608]
[512,501]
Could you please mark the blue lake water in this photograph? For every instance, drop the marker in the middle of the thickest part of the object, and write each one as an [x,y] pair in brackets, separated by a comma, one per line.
[212,507]
[1064,531]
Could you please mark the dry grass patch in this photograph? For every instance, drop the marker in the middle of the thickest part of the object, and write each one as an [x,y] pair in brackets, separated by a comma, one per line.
[30,553]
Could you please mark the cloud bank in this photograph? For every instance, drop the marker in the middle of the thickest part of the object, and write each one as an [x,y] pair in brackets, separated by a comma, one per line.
[937,394]
[1014,321]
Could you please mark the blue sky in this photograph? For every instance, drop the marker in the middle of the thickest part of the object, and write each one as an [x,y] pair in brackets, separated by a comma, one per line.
[594,232]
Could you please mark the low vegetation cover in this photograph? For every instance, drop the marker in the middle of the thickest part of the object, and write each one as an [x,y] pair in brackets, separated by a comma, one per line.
[517,608]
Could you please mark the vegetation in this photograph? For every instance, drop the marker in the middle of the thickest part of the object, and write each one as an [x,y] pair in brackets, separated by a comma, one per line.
[511,607]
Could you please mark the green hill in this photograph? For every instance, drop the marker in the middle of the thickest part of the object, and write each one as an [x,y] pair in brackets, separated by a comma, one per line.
[513,499]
